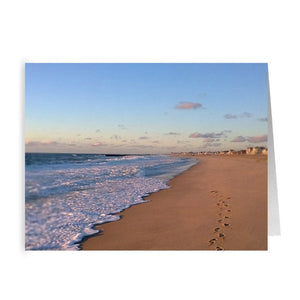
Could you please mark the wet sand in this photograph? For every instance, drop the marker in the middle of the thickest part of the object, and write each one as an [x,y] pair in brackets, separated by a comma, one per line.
[218,204]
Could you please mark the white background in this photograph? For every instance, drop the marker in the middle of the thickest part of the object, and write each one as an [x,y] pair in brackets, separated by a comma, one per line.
[150,31]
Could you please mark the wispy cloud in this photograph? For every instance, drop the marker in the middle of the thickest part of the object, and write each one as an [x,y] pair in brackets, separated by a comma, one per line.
[98,130]
[88,138]
[98,144]
[46,143]
[188,105]
[172,133]
[250,139]
[143,138]
[258,139]
[230,116]
[243,115]
[121,126]
[212,145]
[115,137]
[246,115]
[142,146]
[239,139]
[195,135]
[182,142]
[210,140]
[212,135]
[263,119]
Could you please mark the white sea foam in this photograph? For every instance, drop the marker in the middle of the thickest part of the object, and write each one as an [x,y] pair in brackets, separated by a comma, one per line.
[65,201]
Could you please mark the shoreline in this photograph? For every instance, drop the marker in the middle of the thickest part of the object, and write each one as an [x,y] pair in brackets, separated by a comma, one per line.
[94,227]
[218,203]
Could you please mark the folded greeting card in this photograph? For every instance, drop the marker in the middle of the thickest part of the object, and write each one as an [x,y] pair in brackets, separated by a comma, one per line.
[148,157]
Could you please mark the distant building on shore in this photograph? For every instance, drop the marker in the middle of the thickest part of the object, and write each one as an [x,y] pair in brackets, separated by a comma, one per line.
[256,150]
[240,152]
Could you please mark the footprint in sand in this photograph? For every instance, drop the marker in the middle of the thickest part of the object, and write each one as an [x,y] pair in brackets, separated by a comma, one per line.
[212,241]
[222,207]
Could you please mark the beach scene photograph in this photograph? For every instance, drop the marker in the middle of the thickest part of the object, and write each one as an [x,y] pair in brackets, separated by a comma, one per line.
[146,156]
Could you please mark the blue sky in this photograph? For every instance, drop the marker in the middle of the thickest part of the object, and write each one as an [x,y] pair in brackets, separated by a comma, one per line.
[145,108]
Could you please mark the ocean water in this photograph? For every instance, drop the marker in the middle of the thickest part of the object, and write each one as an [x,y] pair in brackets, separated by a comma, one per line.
[67,194]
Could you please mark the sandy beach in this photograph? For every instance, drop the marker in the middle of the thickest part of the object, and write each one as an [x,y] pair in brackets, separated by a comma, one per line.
[218,204]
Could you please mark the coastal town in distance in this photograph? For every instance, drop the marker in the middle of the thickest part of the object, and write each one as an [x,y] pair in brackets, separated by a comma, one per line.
[248,151]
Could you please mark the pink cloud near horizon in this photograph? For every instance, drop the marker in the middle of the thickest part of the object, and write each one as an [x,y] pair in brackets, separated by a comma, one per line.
[239,139]
[98,144]
[212,135]
[188,105]
[258,139]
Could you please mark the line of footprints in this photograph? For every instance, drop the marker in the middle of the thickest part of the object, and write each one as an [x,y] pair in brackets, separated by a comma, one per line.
[223,217]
